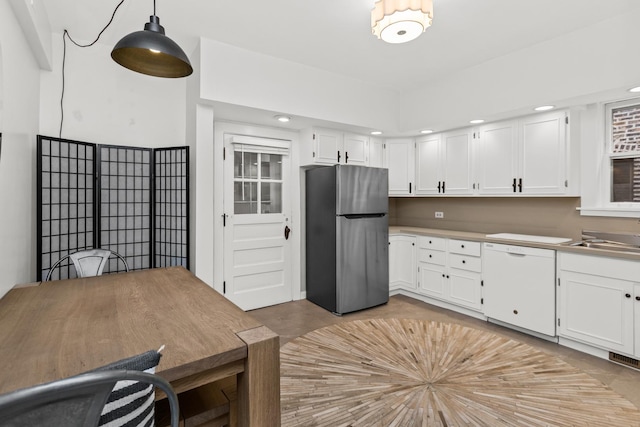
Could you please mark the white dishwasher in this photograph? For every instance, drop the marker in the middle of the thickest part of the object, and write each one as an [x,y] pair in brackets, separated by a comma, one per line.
[519,286]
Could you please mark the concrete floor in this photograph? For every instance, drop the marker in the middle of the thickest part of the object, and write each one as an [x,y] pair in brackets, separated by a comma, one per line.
[293,319]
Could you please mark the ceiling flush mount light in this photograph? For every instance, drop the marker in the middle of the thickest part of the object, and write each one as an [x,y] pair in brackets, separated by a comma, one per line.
[426,131]
[151,52]
[635,89]
[544,108]
[376,132]
[477,121]
[283,119]
[400,21]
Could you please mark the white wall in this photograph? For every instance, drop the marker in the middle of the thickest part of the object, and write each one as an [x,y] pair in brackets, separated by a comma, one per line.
[580,65]
[20,87]
[238,76]
[106,103]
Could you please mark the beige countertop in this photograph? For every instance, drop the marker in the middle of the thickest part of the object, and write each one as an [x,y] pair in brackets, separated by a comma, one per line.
[481,237]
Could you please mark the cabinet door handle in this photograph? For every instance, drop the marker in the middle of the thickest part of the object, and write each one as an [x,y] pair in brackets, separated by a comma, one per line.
[438,186]
[514,185]
[627,295]
[346,157]
[430,256]
[409,188]
[462,246]
[464,262]
[443,191]
[520,185]
[338,157]
[637,298]
[429,241]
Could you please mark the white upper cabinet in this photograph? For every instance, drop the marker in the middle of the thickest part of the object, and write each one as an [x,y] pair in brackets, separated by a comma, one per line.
[333,147]
[376,153]
[428,165]
[443,163]
[400,161]
[355,150]
[543,160]
[497,158]
[524,156]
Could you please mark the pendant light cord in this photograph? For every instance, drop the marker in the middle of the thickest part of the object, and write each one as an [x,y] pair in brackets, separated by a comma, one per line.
[66,35]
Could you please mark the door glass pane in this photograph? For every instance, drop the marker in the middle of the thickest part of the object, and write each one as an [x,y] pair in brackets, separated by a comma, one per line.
[250,162]
[237,164]
[271,166]
[245,197]
[271,197]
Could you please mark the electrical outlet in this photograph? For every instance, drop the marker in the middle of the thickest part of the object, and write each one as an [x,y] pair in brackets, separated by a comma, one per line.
[439,214]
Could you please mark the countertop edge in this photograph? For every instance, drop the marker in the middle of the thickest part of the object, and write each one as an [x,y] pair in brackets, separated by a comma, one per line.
[480,237]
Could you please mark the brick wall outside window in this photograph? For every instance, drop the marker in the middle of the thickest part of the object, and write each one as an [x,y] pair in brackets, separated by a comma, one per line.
[625,133]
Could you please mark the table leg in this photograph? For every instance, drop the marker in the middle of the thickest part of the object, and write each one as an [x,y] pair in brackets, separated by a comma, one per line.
[259,384]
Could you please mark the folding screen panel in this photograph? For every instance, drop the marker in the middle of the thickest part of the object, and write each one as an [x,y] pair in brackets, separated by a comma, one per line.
[125,205]
[141,210]
[66,210]
[171,207]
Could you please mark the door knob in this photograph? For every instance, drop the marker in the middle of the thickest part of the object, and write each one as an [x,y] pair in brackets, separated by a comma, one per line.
[287,230]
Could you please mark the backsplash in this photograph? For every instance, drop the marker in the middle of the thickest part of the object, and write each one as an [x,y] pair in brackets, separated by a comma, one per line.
[546,216]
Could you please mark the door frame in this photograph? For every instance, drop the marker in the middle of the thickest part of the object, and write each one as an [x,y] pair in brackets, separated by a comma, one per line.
[220,129]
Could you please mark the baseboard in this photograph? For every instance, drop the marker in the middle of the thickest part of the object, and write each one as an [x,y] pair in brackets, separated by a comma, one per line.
[303,295]
[545,337]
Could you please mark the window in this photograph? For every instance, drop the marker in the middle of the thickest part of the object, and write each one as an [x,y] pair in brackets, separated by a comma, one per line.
[257,183]
[623,134]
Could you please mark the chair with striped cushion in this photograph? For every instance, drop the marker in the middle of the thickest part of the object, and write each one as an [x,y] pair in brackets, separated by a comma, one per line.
[109,396]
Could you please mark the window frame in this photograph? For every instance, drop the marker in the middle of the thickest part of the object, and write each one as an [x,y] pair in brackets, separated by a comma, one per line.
[597,136]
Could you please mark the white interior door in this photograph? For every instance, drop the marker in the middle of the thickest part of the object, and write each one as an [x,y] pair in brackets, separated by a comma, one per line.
[257,251]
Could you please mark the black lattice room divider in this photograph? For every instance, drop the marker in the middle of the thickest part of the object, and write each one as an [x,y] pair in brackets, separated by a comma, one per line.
[131,200]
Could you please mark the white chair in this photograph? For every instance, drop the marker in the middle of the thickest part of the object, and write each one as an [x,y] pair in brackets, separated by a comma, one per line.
[88,263]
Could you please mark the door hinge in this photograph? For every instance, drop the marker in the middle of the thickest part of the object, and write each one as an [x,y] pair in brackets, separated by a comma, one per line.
[224,153]
[558,281]
[558,321]
[566,120]
[481,282]
[224,287]
[481,300]
[314,136]
[566,183]
[384,146]
[314,154]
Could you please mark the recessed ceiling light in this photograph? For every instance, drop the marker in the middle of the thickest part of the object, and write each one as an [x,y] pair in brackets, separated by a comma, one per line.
[283,119]
[635,89]
[545,108]
[376,132]
[476,121]
[426,131]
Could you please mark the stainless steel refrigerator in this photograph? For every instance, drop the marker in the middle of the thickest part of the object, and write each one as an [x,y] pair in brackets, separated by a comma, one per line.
[347,237]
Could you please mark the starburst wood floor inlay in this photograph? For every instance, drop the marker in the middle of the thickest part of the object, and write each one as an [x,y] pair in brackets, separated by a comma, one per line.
[396,372]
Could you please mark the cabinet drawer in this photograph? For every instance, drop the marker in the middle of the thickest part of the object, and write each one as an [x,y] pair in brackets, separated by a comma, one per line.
[465,262]
[436,243]
[431,256]
[464,247]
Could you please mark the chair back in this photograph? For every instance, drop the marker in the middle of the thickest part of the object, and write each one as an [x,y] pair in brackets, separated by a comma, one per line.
[88,263]
[74,401]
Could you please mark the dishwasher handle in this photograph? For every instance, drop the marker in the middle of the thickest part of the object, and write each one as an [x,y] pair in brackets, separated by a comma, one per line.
[518,254]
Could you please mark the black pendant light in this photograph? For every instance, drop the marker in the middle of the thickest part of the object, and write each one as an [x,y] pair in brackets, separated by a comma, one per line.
[151,52]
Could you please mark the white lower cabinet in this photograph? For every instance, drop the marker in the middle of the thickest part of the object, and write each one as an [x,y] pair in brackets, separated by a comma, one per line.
[402,262]
[450,270]
[596,301]
[637,318]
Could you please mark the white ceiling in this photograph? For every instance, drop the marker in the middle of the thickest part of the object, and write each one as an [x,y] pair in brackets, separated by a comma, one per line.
[335,35]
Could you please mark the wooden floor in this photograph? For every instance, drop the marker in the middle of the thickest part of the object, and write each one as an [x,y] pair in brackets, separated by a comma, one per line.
[412,372]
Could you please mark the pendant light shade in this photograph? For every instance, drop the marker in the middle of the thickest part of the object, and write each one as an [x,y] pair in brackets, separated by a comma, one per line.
[400,21]
[151,52]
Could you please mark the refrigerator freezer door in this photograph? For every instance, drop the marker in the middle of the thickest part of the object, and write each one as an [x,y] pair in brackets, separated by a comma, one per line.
[362,270]
[361,190]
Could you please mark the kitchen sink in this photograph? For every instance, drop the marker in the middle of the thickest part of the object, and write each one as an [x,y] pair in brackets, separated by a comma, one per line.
[609,246]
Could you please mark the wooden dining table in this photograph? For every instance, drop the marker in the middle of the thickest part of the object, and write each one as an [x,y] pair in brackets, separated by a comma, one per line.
[57,329]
